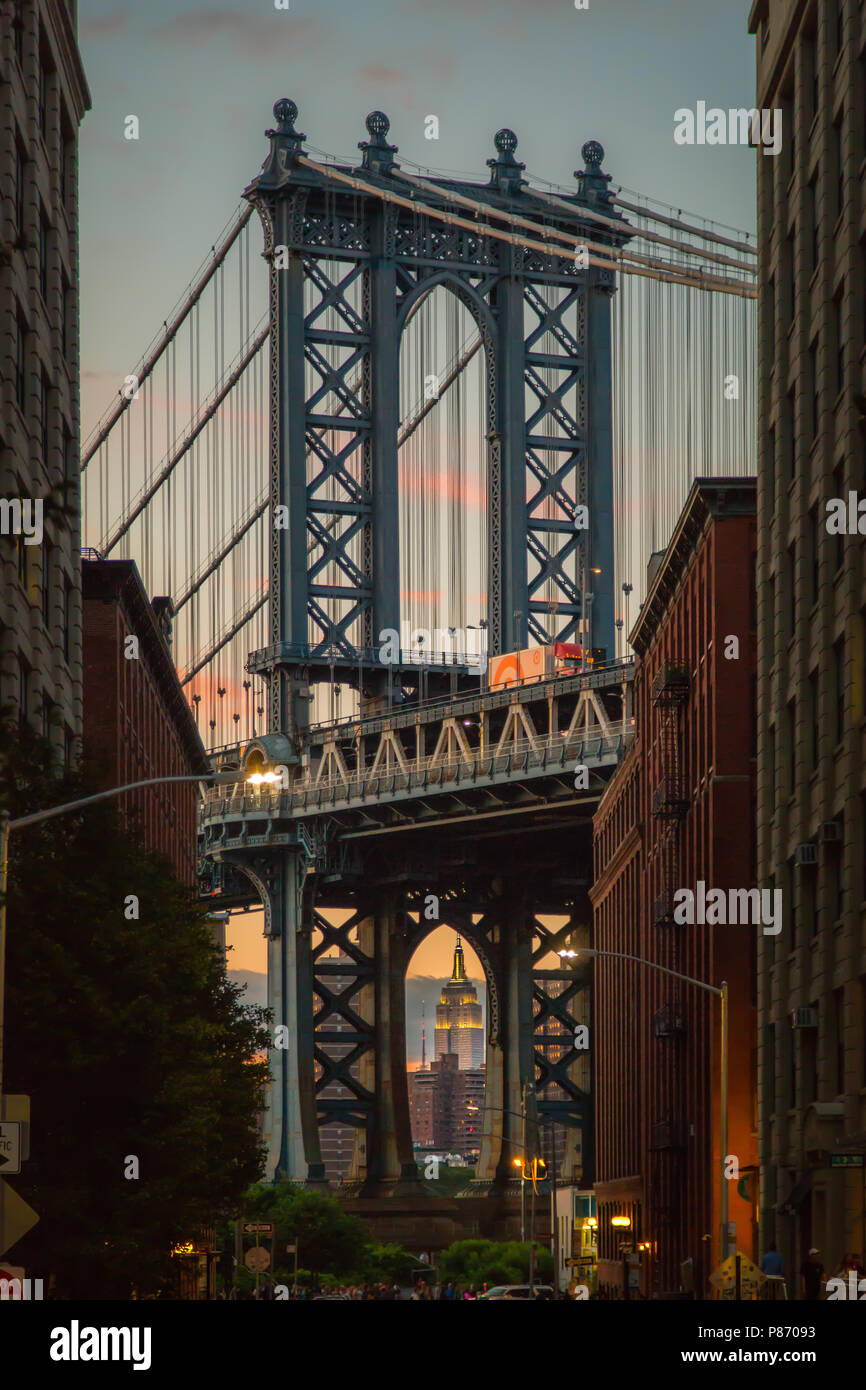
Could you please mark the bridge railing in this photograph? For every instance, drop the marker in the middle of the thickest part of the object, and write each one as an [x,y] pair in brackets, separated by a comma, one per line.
[542,754]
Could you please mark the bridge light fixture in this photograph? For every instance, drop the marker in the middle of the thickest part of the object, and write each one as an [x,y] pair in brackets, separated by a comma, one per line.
[620,1221]
[258,778]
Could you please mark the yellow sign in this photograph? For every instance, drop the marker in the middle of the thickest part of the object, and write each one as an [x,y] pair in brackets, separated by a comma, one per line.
[16,1218]
[725,1277]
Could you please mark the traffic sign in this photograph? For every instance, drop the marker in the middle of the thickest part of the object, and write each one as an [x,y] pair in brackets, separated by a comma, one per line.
[10,1147]
[257,1258]
[16,1218]
[292,1249]
[261,1228]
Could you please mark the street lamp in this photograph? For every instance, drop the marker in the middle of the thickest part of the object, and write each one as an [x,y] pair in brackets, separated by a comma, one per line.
[722,992]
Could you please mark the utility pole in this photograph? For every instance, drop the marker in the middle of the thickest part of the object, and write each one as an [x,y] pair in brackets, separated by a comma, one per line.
[555,1215]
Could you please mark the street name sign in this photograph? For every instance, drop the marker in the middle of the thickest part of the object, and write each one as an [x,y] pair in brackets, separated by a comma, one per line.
[260,1228]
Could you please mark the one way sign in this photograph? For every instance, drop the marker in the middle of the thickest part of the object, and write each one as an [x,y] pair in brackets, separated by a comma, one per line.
[10,1147]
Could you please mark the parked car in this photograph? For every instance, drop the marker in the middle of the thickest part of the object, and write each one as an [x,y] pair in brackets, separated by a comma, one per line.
[506,1292]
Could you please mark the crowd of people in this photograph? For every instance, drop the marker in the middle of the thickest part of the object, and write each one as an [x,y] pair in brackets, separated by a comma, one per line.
[812,1273]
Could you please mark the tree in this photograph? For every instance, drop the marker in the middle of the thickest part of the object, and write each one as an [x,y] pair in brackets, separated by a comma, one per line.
[493,1262]
[329,1240]
[128,1038]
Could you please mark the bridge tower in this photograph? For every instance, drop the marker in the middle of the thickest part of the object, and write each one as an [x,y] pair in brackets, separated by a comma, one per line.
[351,252]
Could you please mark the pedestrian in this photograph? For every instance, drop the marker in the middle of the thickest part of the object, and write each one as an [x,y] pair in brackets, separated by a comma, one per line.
[470,1292]
[771,1262]
[449,1292]
[812,1271]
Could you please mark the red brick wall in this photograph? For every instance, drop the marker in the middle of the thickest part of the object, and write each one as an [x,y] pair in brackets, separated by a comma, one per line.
[642,1080]
[130,734]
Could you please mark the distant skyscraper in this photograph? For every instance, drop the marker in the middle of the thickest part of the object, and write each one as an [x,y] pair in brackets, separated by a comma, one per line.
[459,1026]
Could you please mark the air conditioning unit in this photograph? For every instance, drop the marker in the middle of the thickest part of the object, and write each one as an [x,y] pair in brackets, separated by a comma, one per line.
[804,1018]
[806,853]
[831,832]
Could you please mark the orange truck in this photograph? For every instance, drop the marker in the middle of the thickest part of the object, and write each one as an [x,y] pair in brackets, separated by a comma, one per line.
[532,663]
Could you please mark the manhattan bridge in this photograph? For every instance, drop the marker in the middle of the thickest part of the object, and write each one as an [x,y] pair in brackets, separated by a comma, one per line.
[464,413]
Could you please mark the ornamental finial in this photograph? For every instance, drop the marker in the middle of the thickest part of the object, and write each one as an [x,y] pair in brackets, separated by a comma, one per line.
[592,182]
[506,171]
[378,154]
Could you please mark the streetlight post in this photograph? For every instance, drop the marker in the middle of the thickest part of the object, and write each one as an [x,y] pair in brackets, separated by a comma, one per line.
[722,992]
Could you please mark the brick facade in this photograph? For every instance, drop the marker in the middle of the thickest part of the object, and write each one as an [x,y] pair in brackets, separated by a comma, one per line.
[680,809]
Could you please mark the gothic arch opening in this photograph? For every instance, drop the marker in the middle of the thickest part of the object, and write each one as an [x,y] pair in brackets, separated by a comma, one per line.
[447,1015]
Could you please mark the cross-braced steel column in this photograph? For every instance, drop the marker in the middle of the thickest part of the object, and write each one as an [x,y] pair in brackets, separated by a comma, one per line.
[390,1158]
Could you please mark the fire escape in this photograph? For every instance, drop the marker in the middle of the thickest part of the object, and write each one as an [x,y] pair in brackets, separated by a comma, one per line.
[670,690]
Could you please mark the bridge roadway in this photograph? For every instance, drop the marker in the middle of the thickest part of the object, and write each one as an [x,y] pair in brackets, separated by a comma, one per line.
[489,754]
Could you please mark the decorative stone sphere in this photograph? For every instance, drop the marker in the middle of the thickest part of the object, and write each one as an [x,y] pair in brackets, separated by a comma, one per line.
[592,153]
[377,124]
[505,141]
[285,111]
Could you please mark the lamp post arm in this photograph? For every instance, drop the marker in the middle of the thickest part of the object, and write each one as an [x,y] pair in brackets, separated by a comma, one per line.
[663,969]
[37,816]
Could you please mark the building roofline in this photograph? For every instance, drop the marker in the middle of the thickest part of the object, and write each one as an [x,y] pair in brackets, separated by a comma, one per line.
[708,497]
[119,580]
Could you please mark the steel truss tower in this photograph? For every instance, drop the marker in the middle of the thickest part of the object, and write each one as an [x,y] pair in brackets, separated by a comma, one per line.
[351,252]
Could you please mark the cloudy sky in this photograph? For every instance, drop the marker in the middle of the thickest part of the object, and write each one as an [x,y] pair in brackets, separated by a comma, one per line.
[202,79]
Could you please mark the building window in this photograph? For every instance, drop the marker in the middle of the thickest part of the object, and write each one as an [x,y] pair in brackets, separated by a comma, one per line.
[792,1061]
[23,690]
[840,341]
[18,31]
[816,78]
[770,1067]
[44,402]
[771,468]
[840,24]
[815,552]
[813,716]
[771,764]
[816,221]
[43,256]
[839,491]
[771,318]
[47,706]
[813,382]
[791,586]
[839,166]
[20,188]
[43,92]
[64,316]
[790,734]
[839,677]
[839,1038]
[67,618]
[790,430]
[47,561]
[791,262]
[21,365]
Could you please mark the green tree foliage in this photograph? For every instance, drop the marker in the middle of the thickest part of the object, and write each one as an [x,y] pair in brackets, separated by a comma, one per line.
[329,1240]
[493,1262]
[129,1040]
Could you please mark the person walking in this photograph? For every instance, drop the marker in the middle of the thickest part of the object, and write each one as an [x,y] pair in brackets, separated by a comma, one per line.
[812,1271]
[771,1262]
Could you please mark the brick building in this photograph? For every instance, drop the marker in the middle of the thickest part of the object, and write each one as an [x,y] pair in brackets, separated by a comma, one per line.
[446,1106]
[811,64]
[680,809]
[137,723]
[43,98]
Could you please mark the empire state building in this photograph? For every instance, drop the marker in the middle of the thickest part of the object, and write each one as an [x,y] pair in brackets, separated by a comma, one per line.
[459,1027]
